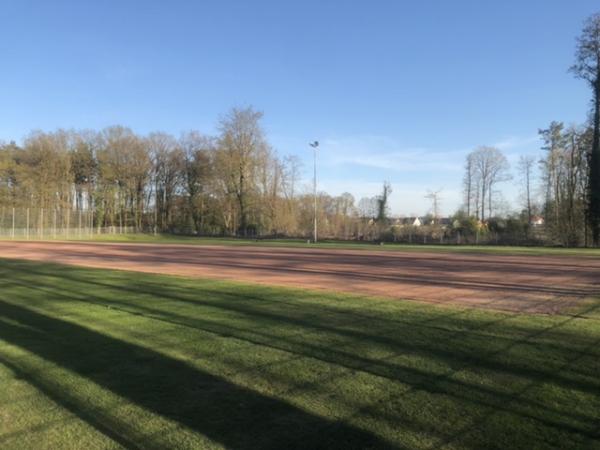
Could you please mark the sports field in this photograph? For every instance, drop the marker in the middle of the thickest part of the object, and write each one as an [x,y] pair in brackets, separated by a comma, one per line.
[96,358]
[540,283]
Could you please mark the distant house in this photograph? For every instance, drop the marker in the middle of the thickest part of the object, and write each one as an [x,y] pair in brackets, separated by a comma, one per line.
[536,221]
[444,222]
[416,221]
[408,222]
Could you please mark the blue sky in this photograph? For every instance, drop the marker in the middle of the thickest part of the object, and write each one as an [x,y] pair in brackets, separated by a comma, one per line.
[394,90]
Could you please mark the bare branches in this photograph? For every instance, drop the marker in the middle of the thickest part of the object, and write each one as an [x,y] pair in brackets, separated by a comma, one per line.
[525,168]
[435,203]
[486,167]
[587,55]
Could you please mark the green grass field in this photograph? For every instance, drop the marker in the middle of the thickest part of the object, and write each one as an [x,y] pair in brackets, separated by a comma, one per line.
[349,245]
[101,359]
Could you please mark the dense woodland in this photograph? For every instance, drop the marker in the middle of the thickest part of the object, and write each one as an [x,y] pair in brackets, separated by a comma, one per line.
[235,184]
[230,184]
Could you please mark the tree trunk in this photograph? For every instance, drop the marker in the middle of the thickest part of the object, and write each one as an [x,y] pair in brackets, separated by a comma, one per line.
[528,197]
[490,201]
[483,201]
[594,178]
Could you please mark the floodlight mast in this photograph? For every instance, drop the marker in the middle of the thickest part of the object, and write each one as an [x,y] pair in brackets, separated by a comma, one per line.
[314,146]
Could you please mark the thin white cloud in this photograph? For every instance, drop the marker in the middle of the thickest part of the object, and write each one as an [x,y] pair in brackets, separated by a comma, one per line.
[386,154]
[360,164]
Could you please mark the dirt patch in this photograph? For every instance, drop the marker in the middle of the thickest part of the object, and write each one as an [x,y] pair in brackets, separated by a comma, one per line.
[511,283]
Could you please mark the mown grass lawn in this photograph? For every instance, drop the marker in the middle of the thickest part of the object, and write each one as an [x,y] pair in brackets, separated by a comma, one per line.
[145,238]
[148,238]
[105,359]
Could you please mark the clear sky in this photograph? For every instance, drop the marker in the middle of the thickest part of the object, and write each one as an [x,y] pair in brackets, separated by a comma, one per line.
[393,90]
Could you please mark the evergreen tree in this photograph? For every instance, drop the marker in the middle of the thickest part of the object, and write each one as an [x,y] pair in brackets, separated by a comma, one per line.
[587,67]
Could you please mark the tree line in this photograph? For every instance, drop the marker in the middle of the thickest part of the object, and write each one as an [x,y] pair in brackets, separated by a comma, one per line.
[231,184]
[569,185]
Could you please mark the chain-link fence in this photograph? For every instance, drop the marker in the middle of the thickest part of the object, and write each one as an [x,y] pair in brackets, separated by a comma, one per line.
[40,223]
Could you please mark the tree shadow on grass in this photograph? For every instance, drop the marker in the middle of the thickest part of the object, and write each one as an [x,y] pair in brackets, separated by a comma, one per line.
[247,305]
[428,272]
[444,383]
[239,303]
[130,295]
[234,416]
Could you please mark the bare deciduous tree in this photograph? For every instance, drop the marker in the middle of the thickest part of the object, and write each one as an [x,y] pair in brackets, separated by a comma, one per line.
[241,146]
[564,175]
[489,167]
[526,165]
